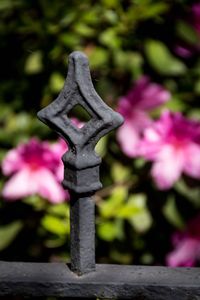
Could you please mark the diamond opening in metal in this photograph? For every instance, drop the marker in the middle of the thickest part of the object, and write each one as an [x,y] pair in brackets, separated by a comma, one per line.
[79,116]
[79,90]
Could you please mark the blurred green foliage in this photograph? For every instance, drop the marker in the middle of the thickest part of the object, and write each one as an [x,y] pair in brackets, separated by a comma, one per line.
[123,40]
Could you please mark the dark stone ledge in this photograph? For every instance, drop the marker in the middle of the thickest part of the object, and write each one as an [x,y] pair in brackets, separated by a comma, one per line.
[108,281]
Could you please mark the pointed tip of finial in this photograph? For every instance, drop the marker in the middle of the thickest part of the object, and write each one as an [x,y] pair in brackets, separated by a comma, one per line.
[78,55]
[120,119]
[43,116]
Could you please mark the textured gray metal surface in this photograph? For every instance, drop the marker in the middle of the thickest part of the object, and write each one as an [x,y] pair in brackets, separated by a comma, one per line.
[82,220]
[108,281]
[81,163]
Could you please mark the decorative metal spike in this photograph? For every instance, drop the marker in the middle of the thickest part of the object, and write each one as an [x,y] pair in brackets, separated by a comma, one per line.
[81,163]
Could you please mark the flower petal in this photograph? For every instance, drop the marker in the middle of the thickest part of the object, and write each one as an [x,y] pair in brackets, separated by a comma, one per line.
[130,132]
[28,182]
[128,138]
[192,160]
[144,95]
[59,149]
[48,187]
[168,167]
[20,185]
[153,96]
[151,144]
[12,162]
[185,254]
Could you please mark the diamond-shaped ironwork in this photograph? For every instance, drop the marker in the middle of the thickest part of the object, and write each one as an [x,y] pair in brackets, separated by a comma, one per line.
[81,161]
[79,116]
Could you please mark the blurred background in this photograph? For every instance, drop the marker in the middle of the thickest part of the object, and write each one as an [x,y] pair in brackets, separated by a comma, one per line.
[145,63]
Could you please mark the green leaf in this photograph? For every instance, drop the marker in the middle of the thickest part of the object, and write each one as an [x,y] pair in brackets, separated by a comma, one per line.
[61,210]
[194,114]
[176,104]
[84,30]
[187,33]
[197,87]
[190,193]
[162,60]
[171,213]
[196,68]
[118,206]
[141,219]
[120,257]
[91,16]
[97,57]
[9,4]
[110,39]
[101,146]
[56,82]
[8,233]
[36,202]
[154,9]
[139,163]
[111,16]
[111,207]
[109,230]
[68,18]
[69,40]
[55,225]
[119,172]
[128,211]
[55,242]
[147,259]
[128,60]
[110,3]
[34,63]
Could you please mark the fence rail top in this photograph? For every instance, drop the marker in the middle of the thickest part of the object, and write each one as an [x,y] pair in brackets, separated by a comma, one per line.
[108,281]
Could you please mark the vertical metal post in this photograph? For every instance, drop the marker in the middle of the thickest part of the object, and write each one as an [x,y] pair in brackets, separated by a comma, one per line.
[81,163]
[82,235]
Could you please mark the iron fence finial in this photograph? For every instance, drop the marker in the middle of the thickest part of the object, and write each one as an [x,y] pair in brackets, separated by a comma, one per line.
[81,163]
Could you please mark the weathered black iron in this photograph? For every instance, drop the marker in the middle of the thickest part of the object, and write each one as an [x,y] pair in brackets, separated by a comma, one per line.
[107,282]
[81,163]
[82,179]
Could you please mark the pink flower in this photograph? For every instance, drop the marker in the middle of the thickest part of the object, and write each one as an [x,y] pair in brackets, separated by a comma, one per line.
[36,169]
[187,246]
[173,143]
[77,123]
[58,150]
[141,99]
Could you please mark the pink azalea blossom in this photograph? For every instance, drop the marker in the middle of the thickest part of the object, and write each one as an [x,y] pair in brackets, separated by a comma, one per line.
[141,99]
[35,168]
[58,150]
[186,246]
[173,143]
[79,124]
